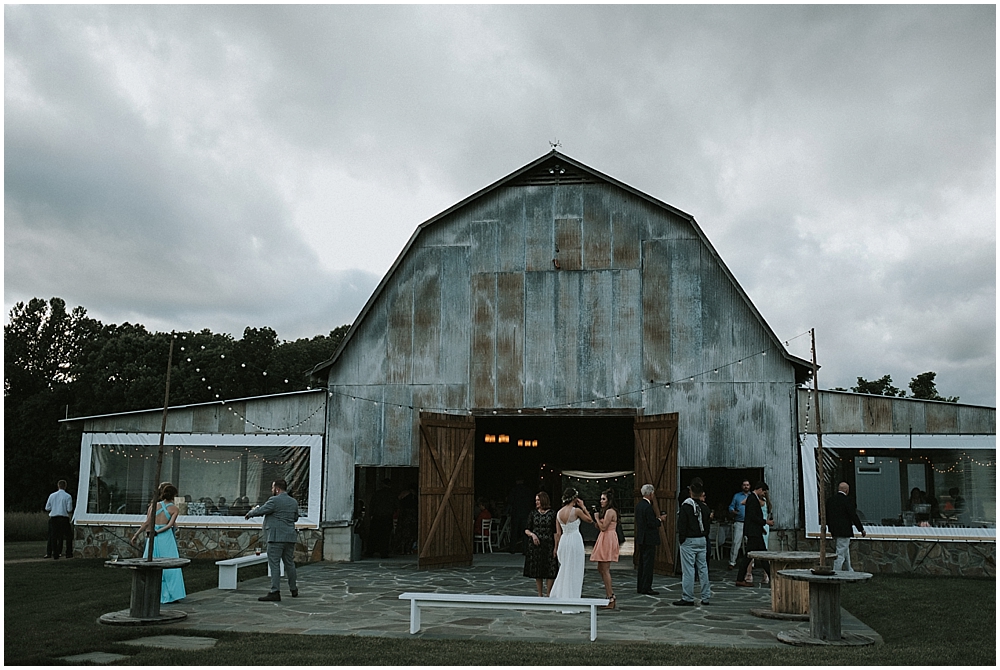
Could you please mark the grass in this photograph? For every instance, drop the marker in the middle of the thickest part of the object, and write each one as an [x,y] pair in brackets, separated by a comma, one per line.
[25,526]
[923,620]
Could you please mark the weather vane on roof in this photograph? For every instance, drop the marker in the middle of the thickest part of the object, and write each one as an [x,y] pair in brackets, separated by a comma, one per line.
[555,144]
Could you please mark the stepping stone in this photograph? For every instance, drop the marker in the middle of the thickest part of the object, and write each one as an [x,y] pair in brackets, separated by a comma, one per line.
[182,642]
[94,657]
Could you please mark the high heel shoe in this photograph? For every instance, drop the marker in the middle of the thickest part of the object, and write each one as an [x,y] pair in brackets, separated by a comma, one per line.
[611,603]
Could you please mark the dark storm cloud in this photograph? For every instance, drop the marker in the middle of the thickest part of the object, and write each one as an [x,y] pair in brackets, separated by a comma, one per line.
[223,166]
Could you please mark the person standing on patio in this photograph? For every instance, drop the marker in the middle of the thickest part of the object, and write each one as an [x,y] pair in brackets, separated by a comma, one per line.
[569,546]
[164,541]
[606,548]
[540,559]
[753,531]
[691,524]
[647,539]
[737,509]
[60,509]
[841,514]
[280,513]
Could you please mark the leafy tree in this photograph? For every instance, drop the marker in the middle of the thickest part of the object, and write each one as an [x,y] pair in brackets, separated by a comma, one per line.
[881,386]
[922,386]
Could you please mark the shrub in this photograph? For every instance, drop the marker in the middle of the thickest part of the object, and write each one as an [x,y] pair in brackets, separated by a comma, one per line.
[25,526]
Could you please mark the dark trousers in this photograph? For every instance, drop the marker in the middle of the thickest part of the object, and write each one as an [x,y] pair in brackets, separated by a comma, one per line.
[751,543]
[644,573]
[60,530]
[278,553]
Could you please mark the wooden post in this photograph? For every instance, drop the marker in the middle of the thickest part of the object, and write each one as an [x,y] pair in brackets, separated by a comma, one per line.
[822,568]
[151,515]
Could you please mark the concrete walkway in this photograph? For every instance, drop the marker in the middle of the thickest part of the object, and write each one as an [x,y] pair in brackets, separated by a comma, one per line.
[362,599]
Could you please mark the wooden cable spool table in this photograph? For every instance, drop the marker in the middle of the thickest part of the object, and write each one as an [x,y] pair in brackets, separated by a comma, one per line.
[147,578]
[824,609]
[789,598]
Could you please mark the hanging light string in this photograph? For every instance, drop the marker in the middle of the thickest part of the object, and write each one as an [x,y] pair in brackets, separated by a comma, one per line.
[186,358]
[653,385]
[191,454]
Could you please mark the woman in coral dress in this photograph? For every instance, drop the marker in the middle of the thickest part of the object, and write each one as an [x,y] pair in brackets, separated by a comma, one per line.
[606,547]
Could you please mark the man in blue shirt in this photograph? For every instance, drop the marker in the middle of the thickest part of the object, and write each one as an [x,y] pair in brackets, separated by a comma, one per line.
[738,507]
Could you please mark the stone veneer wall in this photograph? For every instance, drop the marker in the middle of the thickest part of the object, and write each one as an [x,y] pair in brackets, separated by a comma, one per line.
[958,559]
[214,543]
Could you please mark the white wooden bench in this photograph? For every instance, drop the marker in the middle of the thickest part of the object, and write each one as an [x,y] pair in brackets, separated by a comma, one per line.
[482,601]
[229,567]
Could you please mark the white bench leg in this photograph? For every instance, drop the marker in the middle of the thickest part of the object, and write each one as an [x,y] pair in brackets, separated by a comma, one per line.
[593,622]
[281,569]
[414,617]
[227,577]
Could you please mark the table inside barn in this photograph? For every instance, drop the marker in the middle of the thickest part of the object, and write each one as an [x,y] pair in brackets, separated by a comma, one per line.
[789,598]
[144,609]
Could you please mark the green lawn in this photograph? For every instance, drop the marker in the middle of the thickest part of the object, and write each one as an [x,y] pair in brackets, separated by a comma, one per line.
[51,610]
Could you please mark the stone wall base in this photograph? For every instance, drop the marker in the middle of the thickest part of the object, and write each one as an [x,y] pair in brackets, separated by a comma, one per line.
[216,543]
[920,557]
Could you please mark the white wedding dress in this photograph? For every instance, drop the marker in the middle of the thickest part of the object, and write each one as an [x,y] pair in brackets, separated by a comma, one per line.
[569,579]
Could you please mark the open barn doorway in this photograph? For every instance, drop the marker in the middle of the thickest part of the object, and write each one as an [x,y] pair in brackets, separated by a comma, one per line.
[518,456]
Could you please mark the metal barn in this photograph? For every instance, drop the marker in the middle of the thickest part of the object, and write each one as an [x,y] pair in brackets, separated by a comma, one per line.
[566,309]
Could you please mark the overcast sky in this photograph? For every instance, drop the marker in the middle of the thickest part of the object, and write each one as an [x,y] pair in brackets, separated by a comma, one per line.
[191,167]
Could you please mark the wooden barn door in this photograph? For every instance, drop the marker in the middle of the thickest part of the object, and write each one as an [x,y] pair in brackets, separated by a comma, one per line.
[656,464]
[446,490]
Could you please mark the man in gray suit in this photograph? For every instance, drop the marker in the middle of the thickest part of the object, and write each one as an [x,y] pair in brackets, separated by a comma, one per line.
[280,513]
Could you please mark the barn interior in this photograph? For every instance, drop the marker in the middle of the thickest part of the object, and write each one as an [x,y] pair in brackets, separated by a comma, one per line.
[538,449]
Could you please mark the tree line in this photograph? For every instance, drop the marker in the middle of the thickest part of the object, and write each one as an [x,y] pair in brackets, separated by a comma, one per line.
[61,363]
[922,387]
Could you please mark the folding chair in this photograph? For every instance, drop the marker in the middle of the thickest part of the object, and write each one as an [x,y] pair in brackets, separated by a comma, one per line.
[481,540]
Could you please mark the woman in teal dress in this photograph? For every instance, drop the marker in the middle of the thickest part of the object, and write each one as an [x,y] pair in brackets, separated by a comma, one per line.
[164,542]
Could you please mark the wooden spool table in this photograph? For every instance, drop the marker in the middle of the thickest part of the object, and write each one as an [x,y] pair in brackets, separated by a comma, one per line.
[789,598]
[824,610]
[146,582]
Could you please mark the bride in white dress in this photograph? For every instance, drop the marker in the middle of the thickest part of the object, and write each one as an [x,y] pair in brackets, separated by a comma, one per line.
[569,546]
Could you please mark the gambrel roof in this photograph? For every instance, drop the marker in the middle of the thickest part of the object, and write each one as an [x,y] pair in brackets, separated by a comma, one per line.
[558,168]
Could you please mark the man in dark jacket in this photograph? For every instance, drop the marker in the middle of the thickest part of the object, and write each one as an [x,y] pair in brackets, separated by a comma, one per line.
[841,514]
[692,523]
[647,539]
[753,531]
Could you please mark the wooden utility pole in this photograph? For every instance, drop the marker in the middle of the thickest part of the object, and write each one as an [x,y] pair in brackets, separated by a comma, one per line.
[151,516]
[822,568]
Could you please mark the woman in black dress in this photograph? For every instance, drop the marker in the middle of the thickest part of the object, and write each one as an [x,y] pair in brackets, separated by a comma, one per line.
[540,560]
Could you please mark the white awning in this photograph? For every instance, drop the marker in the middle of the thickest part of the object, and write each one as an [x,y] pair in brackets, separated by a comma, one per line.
[877,441]
[583,474]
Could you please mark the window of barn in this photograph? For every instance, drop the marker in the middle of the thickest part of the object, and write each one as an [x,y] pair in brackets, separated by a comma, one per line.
[218,477]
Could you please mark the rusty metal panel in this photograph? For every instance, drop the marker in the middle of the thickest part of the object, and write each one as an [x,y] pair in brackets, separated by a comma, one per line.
[626,342]
[942,417]
[686,317]
[511,237]
[539,243]
[595,346]
[397,417]
[568,201]
[656,326]
[483,354]
[427,317]
[455,322]
[596,231]
[567,324]
[483,246]
[510,340]
[365,427]
[978,420]
[625,242]
[399,338]
[876,414]
[540,365]
[568,243]
[842,414]
[908,416]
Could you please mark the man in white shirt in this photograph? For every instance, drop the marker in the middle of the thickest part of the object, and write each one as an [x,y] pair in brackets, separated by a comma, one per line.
[60,509]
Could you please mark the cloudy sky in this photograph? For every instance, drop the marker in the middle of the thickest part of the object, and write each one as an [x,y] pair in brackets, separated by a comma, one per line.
[219,167]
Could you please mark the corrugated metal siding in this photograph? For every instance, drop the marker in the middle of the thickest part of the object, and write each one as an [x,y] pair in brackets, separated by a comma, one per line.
[860,413]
